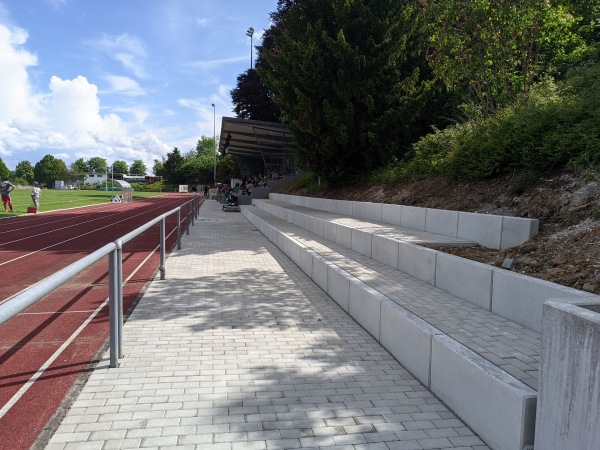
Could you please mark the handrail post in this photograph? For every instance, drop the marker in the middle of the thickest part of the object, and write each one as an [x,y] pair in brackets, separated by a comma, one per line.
[179,229]
[197,204]
[193,211]
[113,308]
[187,220]
[119,261]
[162,249]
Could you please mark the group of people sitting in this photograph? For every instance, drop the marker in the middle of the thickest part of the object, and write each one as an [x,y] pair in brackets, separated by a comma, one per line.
[248,183]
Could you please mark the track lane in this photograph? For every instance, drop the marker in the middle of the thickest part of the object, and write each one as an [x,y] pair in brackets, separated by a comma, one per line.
[40,330]
[29,261]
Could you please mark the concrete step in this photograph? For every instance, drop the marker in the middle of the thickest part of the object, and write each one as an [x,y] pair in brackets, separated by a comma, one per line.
[480,364]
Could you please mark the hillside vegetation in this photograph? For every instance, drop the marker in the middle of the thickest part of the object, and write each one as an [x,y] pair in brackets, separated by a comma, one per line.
[555,125]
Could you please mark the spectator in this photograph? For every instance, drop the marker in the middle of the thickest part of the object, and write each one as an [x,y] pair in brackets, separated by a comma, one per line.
[225,194]
[6,187]
[36,192]
[206,191]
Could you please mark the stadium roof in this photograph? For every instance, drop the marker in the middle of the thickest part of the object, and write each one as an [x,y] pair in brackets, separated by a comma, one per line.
[255,138]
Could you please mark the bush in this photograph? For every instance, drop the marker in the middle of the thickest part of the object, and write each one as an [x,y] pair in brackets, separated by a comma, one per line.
[553,126]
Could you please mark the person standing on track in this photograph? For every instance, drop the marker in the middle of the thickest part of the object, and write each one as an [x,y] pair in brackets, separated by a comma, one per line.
[5,188]
[36,192]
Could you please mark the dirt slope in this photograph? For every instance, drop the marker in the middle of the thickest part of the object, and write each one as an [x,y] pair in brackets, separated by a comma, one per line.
[567,249]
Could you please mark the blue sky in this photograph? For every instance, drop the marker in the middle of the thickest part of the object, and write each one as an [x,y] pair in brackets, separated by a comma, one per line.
[119,79]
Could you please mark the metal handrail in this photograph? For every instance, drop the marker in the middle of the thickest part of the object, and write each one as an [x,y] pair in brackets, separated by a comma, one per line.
[114,250]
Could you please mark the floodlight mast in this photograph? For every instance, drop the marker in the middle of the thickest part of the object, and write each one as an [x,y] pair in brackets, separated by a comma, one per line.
[250,33]
[214,144]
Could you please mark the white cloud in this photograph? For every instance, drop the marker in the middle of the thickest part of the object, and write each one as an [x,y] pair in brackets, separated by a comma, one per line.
[74,109]
[57,3]
[18,101]
[202,22]
[126,49]
[124,85]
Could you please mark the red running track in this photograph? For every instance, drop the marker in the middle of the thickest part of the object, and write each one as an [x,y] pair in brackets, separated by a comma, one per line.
[50,346]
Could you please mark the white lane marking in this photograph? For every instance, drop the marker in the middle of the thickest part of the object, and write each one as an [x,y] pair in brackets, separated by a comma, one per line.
[100,210]
[67,240]
[21,392]
[17,293]
[36,376]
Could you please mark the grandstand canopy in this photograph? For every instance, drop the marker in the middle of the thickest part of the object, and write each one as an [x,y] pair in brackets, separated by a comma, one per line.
[255,138]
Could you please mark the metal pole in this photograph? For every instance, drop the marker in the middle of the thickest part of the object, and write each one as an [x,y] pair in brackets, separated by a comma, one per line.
[214,144]
[113,309]
[120,295]
[187,220]
[193,206]
[250,33]
[162,249]
[179,229]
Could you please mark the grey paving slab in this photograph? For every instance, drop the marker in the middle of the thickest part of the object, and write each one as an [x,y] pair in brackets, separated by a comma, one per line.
[502,342]
[238,348]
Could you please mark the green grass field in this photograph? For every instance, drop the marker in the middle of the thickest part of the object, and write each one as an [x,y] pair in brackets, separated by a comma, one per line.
[55,199]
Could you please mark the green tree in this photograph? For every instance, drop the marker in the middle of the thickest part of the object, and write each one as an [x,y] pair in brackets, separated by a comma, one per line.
[588,14]
[120,167]
[199,163]
[50,169]
[79,167]
[494,50]
[252,99]
[172,168]
[227,168]
[97,164]
[158,168]
[137,167]
[4,172]
[24,170]
[350,78]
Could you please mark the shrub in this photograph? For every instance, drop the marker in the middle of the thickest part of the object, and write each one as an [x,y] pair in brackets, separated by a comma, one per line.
[553,126]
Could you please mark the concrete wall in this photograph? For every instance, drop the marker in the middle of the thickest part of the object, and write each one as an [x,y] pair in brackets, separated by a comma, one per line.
[499,232]
[520,298]
[497,406]
[466,279]
[568,411]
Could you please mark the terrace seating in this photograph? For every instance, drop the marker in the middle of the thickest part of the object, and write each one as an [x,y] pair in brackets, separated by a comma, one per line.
[470,332]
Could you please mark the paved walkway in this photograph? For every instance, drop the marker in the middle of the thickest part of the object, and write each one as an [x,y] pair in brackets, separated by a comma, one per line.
[238,349]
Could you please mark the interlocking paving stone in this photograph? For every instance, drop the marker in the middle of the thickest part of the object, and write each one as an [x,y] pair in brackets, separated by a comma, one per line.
[238,349]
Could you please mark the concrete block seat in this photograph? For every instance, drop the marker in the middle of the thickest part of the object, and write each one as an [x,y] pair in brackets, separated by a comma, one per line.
[482,365]
[488,230]
[322,222]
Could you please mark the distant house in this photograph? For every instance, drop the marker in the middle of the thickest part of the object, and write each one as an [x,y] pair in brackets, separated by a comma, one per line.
[92,178]
[98,178]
